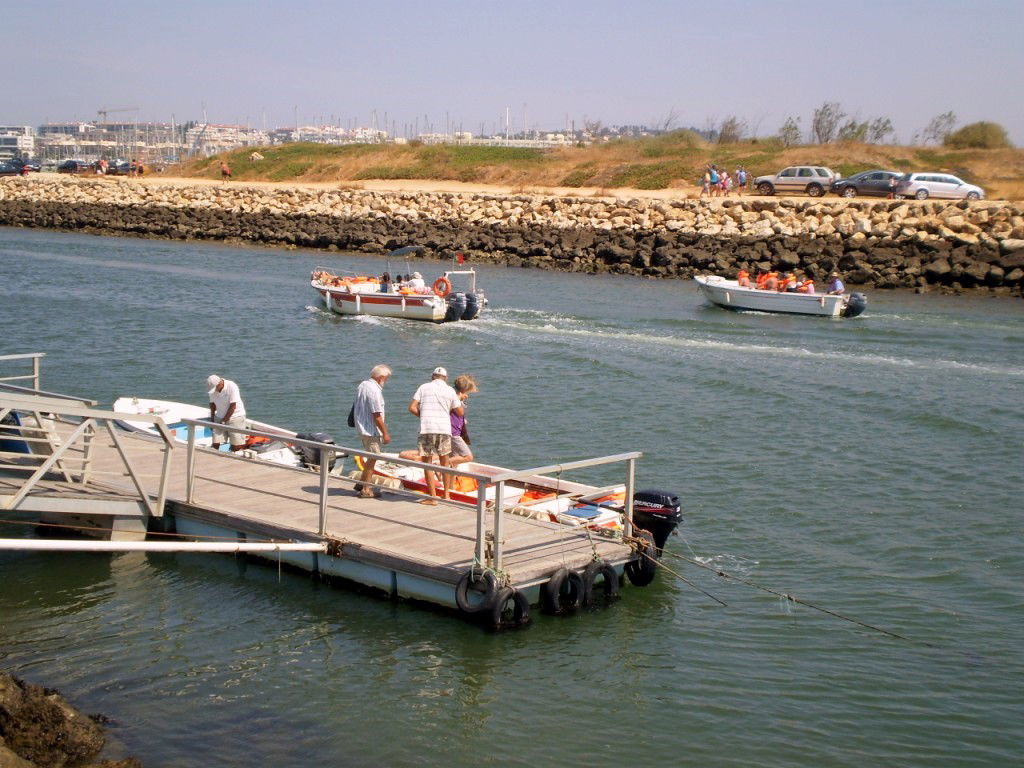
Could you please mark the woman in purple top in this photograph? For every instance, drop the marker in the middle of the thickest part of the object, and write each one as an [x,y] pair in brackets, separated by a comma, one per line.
[464,385]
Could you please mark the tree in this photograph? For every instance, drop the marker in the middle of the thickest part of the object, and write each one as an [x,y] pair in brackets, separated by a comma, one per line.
[592,127]
[731,130]
[668,122]
[789,133]
[939,128]
[825,122]
[853,131]
[880,128]
[981,135]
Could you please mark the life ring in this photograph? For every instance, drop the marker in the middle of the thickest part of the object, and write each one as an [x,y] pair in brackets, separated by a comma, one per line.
[503,615]
[479,581]
[442,286]
[611,580]
[562,592]
[642,570]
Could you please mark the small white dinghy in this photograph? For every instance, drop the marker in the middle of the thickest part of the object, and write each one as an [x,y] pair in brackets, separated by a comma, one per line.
[728,294]
[174,414]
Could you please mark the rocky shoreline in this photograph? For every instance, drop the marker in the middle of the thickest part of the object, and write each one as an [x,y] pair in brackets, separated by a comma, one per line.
[945,245]
[39,728]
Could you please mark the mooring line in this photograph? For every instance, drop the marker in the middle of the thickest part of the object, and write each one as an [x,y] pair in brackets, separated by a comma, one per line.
[87,528]
[793,599]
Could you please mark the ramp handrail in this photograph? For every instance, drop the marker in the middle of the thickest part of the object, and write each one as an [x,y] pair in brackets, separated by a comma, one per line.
[35,357]
[48,408]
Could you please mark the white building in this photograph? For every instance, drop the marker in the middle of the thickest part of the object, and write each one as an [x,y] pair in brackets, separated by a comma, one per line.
[17,141]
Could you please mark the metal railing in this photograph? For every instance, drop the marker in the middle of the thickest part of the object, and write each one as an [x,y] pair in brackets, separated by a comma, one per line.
[71,455]
[35,357]
[328,452]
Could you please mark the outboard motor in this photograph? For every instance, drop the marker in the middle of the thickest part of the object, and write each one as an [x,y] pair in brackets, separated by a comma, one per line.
[456,307]
[310,456]
[472,307]
[658,512]
[856,305]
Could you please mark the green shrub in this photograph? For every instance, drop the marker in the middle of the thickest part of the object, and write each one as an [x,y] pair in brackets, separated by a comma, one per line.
[982,135]
[579,176]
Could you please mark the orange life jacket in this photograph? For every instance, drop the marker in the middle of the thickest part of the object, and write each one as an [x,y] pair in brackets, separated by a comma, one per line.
[807,286]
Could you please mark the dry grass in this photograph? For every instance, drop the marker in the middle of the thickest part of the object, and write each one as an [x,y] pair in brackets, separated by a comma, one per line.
[673,161]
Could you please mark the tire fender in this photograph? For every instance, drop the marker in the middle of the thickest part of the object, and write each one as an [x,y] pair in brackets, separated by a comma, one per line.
[482,581]
[590,574]
[642,570]
[562,592]
[520,609]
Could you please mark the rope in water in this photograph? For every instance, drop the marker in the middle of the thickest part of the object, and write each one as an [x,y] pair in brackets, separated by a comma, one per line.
[786,596]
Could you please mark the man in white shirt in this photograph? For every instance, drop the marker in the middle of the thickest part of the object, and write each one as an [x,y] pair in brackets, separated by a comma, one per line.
[226,407]
[368,413]
[434,403]
[416,283]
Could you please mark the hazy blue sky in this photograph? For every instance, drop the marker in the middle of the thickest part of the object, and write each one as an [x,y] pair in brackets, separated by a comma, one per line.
[618,62]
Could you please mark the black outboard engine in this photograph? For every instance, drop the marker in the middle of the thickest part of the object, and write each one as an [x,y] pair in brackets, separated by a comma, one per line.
[658,512]
[456,307]
[858,303]
[310,456]
[472,307]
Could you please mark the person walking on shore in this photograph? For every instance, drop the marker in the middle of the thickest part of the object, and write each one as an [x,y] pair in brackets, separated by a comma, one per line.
[368,413]
[434,403]
[226,407]
[225,171]
[741,180]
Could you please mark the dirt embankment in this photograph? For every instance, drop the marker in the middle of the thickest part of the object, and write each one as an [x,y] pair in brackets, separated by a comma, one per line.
[39,728]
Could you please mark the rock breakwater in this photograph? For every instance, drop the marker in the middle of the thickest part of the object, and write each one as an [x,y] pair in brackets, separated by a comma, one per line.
[951,245]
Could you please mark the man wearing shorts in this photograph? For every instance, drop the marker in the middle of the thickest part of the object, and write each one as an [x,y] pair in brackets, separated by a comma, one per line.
[434,403]
[368,413]
[226,407]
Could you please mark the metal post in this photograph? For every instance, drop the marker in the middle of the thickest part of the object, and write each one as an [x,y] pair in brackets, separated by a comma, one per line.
[165,471]
[481,506]
[326,457]
[499,503]
[627,525]
[191,465]
[35,373]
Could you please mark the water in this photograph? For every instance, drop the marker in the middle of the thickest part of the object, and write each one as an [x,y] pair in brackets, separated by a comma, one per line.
[872,466]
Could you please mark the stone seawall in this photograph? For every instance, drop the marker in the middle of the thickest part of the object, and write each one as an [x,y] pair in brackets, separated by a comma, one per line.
[874,243]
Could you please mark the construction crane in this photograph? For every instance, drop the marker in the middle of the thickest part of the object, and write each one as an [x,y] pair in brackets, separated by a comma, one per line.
[103,112]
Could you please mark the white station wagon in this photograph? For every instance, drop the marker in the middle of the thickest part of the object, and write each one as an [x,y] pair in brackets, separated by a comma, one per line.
[925,185]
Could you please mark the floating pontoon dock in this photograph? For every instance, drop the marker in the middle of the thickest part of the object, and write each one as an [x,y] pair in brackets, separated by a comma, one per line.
[83,470]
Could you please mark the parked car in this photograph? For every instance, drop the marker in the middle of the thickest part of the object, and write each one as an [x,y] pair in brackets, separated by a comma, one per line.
[119,168]
[874,182]
[812,179]
[925,185]
[10,169]
[75,166]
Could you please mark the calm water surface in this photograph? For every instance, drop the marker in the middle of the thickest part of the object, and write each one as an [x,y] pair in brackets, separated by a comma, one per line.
[872,466]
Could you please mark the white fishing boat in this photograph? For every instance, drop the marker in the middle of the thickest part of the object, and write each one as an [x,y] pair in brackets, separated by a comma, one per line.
[547,498]
[453,296]
[277,451]
[730,295]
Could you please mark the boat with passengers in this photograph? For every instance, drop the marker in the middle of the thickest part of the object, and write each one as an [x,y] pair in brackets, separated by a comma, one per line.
[453,296]
[731,295]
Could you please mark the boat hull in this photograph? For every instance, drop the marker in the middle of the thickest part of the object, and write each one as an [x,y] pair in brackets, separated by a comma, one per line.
[427,307]
[726,293]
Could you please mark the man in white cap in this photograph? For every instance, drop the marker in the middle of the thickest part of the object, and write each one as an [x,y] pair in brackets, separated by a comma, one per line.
[434,403]
[416,283]
[226,407]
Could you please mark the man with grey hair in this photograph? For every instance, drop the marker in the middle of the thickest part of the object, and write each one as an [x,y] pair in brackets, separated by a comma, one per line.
[368,413]
[434,403]
[226,407]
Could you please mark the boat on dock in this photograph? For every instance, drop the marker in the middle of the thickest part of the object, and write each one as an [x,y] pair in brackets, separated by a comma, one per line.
[729,294]
[453,296]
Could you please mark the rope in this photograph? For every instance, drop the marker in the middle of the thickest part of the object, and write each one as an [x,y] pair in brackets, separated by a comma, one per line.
[794,599]
[679,576]
[150,533]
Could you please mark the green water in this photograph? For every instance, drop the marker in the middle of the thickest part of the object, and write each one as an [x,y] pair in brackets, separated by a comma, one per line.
[872,466]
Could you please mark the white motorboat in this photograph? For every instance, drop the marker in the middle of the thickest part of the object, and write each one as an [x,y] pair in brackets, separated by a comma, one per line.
[267,449]
[453,296]
[728,294]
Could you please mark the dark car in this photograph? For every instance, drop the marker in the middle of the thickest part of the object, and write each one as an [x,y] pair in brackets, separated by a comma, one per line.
[75,166]
[10,169]
[121,168]
[869,183]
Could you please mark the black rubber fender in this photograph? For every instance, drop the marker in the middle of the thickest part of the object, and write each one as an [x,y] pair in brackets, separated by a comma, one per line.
[642,570]
[519,615]
[590,574]
[480,581]
[562,592]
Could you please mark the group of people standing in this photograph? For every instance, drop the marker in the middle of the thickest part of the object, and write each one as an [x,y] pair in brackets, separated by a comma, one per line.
[443,436]
[717,182]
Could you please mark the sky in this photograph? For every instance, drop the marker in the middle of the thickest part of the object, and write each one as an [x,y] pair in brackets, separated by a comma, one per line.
[548,65]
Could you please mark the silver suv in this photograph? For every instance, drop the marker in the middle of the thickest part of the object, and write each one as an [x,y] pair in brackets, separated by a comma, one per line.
[812,179]
[925,185]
